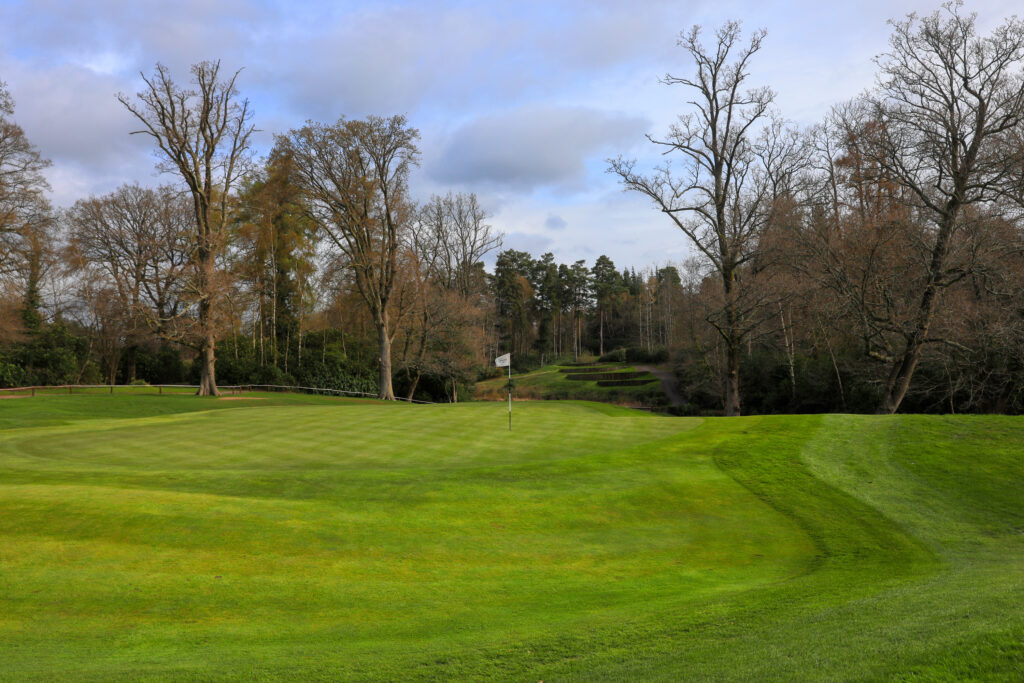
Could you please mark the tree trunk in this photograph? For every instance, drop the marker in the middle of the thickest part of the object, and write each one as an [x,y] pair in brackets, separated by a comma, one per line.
[903,367]
[207,380]
[386,391]
[132,352]
[835,366]
[413,381]
[790,351]
[733,340]
[732,380]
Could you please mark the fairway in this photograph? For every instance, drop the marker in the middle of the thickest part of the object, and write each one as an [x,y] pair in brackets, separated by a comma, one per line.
[303,538]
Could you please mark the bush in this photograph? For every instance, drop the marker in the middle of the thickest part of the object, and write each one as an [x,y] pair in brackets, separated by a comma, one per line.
[625,382]
[635,354]
[11,374]
[616,356]
[53,355]
[595,376]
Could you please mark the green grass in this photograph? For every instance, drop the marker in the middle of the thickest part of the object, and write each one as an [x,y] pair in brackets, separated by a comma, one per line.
[550,383]
[300,538]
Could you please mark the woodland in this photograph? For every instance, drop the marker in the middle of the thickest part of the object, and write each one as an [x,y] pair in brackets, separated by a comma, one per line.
[872,262]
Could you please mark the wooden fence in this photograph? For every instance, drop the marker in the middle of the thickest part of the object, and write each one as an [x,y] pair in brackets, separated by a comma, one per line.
[232,389]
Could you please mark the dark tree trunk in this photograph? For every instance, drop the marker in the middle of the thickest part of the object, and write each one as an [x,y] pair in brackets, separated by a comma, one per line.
[413,381]
[386,391]
[903,367]
[732,379]
[207,380]
[733,341]
[132,352]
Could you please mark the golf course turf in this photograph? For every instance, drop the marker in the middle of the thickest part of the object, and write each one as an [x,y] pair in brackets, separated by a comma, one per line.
[301,538]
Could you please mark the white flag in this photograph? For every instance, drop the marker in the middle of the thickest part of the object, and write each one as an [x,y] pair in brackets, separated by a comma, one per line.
[503,361]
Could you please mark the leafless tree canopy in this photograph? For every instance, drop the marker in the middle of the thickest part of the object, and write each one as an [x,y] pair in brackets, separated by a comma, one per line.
[355,175]
[453,232]
[947,105]
[734,162]
[201,134]
[22,186]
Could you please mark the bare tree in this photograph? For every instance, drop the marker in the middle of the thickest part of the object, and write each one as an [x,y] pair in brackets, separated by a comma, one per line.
[202,134]
[445,247]
[355,175]
[22,186]
[721,198]
[946,104]
[456,225]
[131,249]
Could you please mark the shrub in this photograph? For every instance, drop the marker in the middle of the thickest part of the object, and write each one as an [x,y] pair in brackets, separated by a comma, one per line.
[587,369]
[635,354]
[625,382]
[616,356]
[595,376]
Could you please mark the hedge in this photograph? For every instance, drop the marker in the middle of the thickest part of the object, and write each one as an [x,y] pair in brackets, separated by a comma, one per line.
[595,376]
[625,382]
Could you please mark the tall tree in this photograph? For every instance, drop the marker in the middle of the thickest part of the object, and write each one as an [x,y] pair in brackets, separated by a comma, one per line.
[444,257]
[273,253]
[579,278]
[355,175]
[514,298]
[948,104]
[202,134]
[462,237]
[721,199]
[130,249]
[25,215]
[607,285]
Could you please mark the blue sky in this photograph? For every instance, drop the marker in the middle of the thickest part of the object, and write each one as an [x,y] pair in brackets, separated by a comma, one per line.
[520,102]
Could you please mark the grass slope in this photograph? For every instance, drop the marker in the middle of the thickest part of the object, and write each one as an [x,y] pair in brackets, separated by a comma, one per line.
[551,382]
[147,537]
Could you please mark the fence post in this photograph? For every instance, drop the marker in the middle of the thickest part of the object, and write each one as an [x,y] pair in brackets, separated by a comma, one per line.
[160,389]
[69,388]
[111,388]
[33,391]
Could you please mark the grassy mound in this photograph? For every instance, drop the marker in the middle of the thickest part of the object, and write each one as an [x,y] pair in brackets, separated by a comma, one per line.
[305,538]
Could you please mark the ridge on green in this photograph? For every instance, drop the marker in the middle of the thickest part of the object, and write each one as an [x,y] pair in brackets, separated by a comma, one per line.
[303,538]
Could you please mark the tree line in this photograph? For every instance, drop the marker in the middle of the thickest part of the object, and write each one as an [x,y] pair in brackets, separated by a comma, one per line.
[893,227]
[873,262]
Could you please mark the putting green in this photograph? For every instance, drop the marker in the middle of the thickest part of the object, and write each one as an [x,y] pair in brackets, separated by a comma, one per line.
[293,537]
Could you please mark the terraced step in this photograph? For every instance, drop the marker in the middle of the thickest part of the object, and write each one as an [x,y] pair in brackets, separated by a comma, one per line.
[596,376]
[625,382]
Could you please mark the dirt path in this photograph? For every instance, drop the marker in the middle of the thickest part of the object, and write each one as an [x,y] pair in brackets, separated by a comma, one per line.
[668,383]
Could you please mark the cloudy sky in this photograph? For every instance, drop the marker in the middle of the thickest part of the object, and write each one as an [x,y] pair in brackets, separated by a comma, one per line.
[520,102]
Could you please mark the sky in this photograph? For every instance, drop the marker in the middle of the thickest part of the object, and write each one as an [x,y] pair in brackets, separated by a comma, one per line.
[520,102]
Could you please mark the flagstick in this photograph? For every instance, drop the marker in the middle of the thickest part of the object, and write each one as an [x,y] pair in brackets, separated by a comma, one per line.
[506,362]
[510,397]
